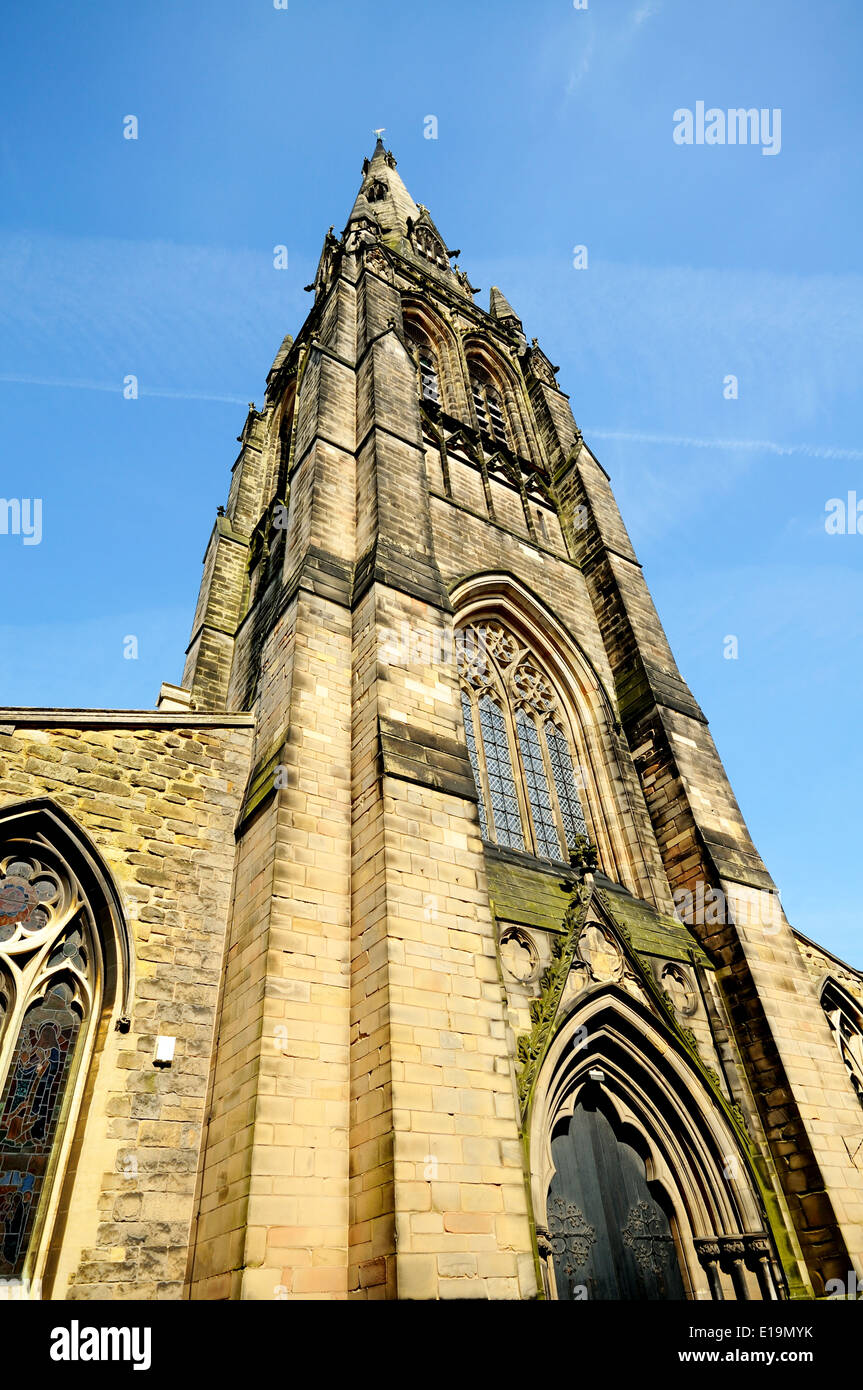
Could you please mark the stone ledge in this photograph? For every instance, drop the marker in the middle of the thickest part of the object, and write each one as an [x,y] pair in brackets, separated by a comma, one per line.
[105,718]
[418,755]
[418,577]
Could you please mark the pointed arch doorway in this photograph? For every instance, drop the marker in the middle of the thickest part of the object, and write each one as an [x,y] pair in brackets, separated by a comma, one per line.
[657,1197]
[610,1238]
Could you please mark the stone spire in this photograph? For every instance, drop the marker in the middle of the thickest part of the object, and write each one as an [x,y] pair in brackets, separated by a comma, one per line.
[500,308]
[385,207]
[383,194]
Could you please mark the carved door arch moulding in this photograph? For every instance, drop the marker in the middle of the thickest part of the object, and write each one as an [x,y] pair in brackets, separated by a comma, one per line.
[608,1047]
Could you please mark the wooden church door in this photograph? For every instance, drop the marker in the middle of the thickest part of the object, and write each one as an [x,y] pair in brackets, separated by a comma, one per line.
[610,1238]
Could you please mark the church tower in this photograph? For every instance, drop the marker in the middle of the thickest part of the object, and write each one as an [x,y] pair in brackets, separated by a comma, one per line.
[430,872]
[480,789]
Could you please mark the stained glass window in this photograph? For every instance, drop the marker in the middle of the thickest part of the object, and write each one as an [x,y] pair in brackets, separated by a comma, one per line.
[470,737]
[574,824]
[501,782]
[547,838]
[29,1112]
[46,988]
[520,742]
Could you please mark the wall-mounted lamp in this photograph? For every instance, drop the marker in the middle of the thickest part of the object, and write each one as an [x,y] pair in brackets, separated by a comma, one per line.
[164,1053]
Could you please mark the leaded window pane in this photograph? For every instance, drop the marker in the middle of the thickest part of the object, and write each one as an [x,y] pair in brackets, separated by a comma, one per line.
[501,783]
[46,988]
[29,1112]
[542,814]
[470,737]
[574,823]
[429,383]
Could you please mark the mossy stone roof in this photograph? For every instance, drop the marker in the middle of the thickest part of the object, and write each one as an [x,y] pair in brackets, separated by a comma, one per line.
[535,896]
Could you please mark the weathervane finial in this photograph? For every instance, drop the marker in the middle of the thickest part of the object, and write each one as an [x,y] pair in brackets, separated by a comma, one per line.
[379,132]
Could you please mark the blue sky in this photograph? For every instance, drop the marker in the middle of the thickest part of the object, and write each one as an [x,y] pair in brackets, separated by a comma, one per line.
[154,257]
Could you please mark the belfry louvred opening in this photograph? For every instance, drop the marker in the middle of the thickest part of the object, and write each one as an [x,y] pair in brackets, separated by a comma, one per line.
[353,969]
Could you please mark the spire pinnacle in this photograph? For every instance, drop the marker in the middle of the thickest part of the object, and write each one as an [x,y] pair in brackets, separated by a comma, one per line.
[383,194]
[385,208]
[499,306]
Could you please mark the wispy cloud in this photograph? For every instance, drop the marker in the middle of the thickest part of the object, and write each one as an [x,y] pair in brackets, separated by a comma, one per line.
[176,315]
[758,446]
[113,389]
[661,339]
[608,36]
[642,13]
[582,67]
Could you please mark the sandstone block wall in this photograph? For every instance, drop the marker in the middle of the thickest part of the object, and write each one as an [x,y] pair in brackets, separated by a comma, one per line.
[158,796]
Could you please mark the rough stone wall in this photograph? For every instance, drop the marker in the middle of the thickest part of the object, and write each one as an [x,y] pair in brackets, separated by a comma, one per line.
[158,797]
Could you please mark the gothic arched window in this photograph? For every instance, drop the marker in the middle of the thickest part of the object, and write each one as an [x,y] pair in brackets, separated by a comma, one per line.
[51,972]
[283,444]
[428,246]
[488,406]
[845,1017]
[426,360]
[519,746]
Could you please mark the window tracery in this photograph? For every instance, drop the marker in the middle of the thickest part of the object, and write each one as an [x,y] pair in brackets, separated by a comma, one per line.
[48,973]
[428,246]
[519,746]
[539,799]
[470,736]
[846,1023]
